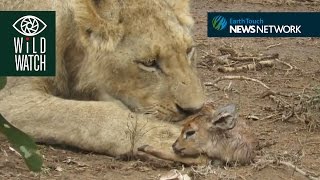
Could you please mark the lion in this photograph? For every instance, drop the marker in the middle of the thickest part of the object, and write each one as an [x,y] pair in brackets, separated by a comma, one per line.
[125,73]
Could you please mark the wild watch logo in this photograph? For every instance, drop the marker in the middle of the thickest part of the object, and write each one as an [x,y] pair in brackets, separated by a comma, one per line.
[25,58]
[29,25]
[30,46]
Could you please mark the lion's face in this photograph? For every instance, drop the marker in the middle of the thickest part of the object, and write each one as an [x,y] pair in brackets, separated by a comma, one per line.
[151,69]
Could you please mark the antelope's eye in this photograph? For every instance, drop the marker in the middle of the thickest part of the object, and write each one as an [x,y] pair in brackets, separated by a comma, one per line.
[188,134]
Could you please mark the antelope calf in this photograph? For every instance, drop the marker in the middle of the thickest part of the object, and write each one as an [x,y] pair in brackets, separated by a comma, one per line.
[218,134]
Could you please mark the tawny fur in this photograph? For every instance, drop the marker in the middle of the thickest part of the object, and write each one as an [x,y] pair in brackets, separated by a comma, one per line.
[99,82]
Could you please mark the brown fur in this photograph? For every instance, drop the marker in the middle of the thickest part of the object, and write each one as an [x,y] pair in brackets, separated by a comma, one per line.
[211,133]
[219,135]
[102,50]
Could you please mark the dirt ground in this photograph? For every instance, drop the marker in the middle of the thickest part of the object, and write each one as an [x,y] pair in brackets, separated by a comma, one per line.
[286,120]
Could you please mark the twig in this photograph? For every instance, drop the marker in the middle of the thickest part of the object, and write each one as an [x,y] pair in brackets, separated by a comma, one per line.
[230,51]
[284,117]
[306,174]
[298,117]
[248,67]
[280,102]
[273,93]
[214,82]
[290,115]
[206,54]
[258,58]
[223,59]
[202,170]
[287,64]
[210,84]
[270,116]
[273,45]
[287,164]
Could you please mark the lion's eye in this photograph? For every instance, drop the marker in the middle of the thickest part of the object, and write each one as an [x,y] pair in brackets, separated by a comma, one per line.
[190,54]
[189,134]
[149,65]
[189,50]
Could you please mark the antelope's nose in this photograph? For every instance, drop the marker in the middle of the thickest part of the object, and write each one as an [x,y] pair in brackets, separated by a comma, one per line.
[176,148]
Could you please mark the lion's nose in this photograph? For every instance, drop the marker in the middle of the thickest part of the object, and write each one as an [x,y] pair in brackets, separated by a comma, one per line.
[188,110]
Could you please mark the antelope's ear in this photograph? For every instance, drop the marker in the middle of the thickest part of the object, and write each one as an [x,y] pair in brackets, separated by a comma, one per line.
[96,30]
[225,118]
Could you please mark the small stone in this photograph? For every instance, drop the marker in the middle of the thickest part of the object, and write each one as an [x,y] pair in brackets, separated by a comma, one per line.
[59,169]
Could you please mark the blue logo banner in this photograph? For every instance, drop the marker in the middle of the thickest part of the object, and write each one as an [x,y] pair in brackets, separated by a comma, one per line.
[263,24]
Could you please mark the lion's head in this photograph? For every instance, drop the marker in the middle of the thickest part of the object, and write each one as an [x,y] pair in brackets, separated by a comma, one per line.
[140,52]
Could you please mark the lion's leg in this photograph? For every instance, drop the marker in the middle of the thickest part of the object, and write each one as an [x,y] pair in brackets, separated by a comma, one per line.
[104,127]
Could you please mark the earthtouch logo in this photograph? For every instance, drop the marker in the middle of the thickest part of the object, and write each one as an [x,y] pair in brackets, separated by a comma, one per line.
[219,23]
[263,24]
[29,25]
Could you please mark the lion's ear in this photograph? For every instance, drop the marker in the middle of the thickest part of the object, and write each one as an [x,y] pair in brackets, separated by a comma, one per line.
[96,30]
[182,11]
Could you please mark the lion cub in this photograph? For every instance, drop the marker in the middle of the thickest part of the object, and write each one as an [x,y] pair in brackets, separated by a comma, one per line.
[216,134]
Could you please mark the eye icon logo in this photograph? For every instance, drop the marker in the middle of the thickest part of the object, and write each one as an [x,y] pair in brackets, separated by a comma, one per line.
[29,25]
[219,23]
